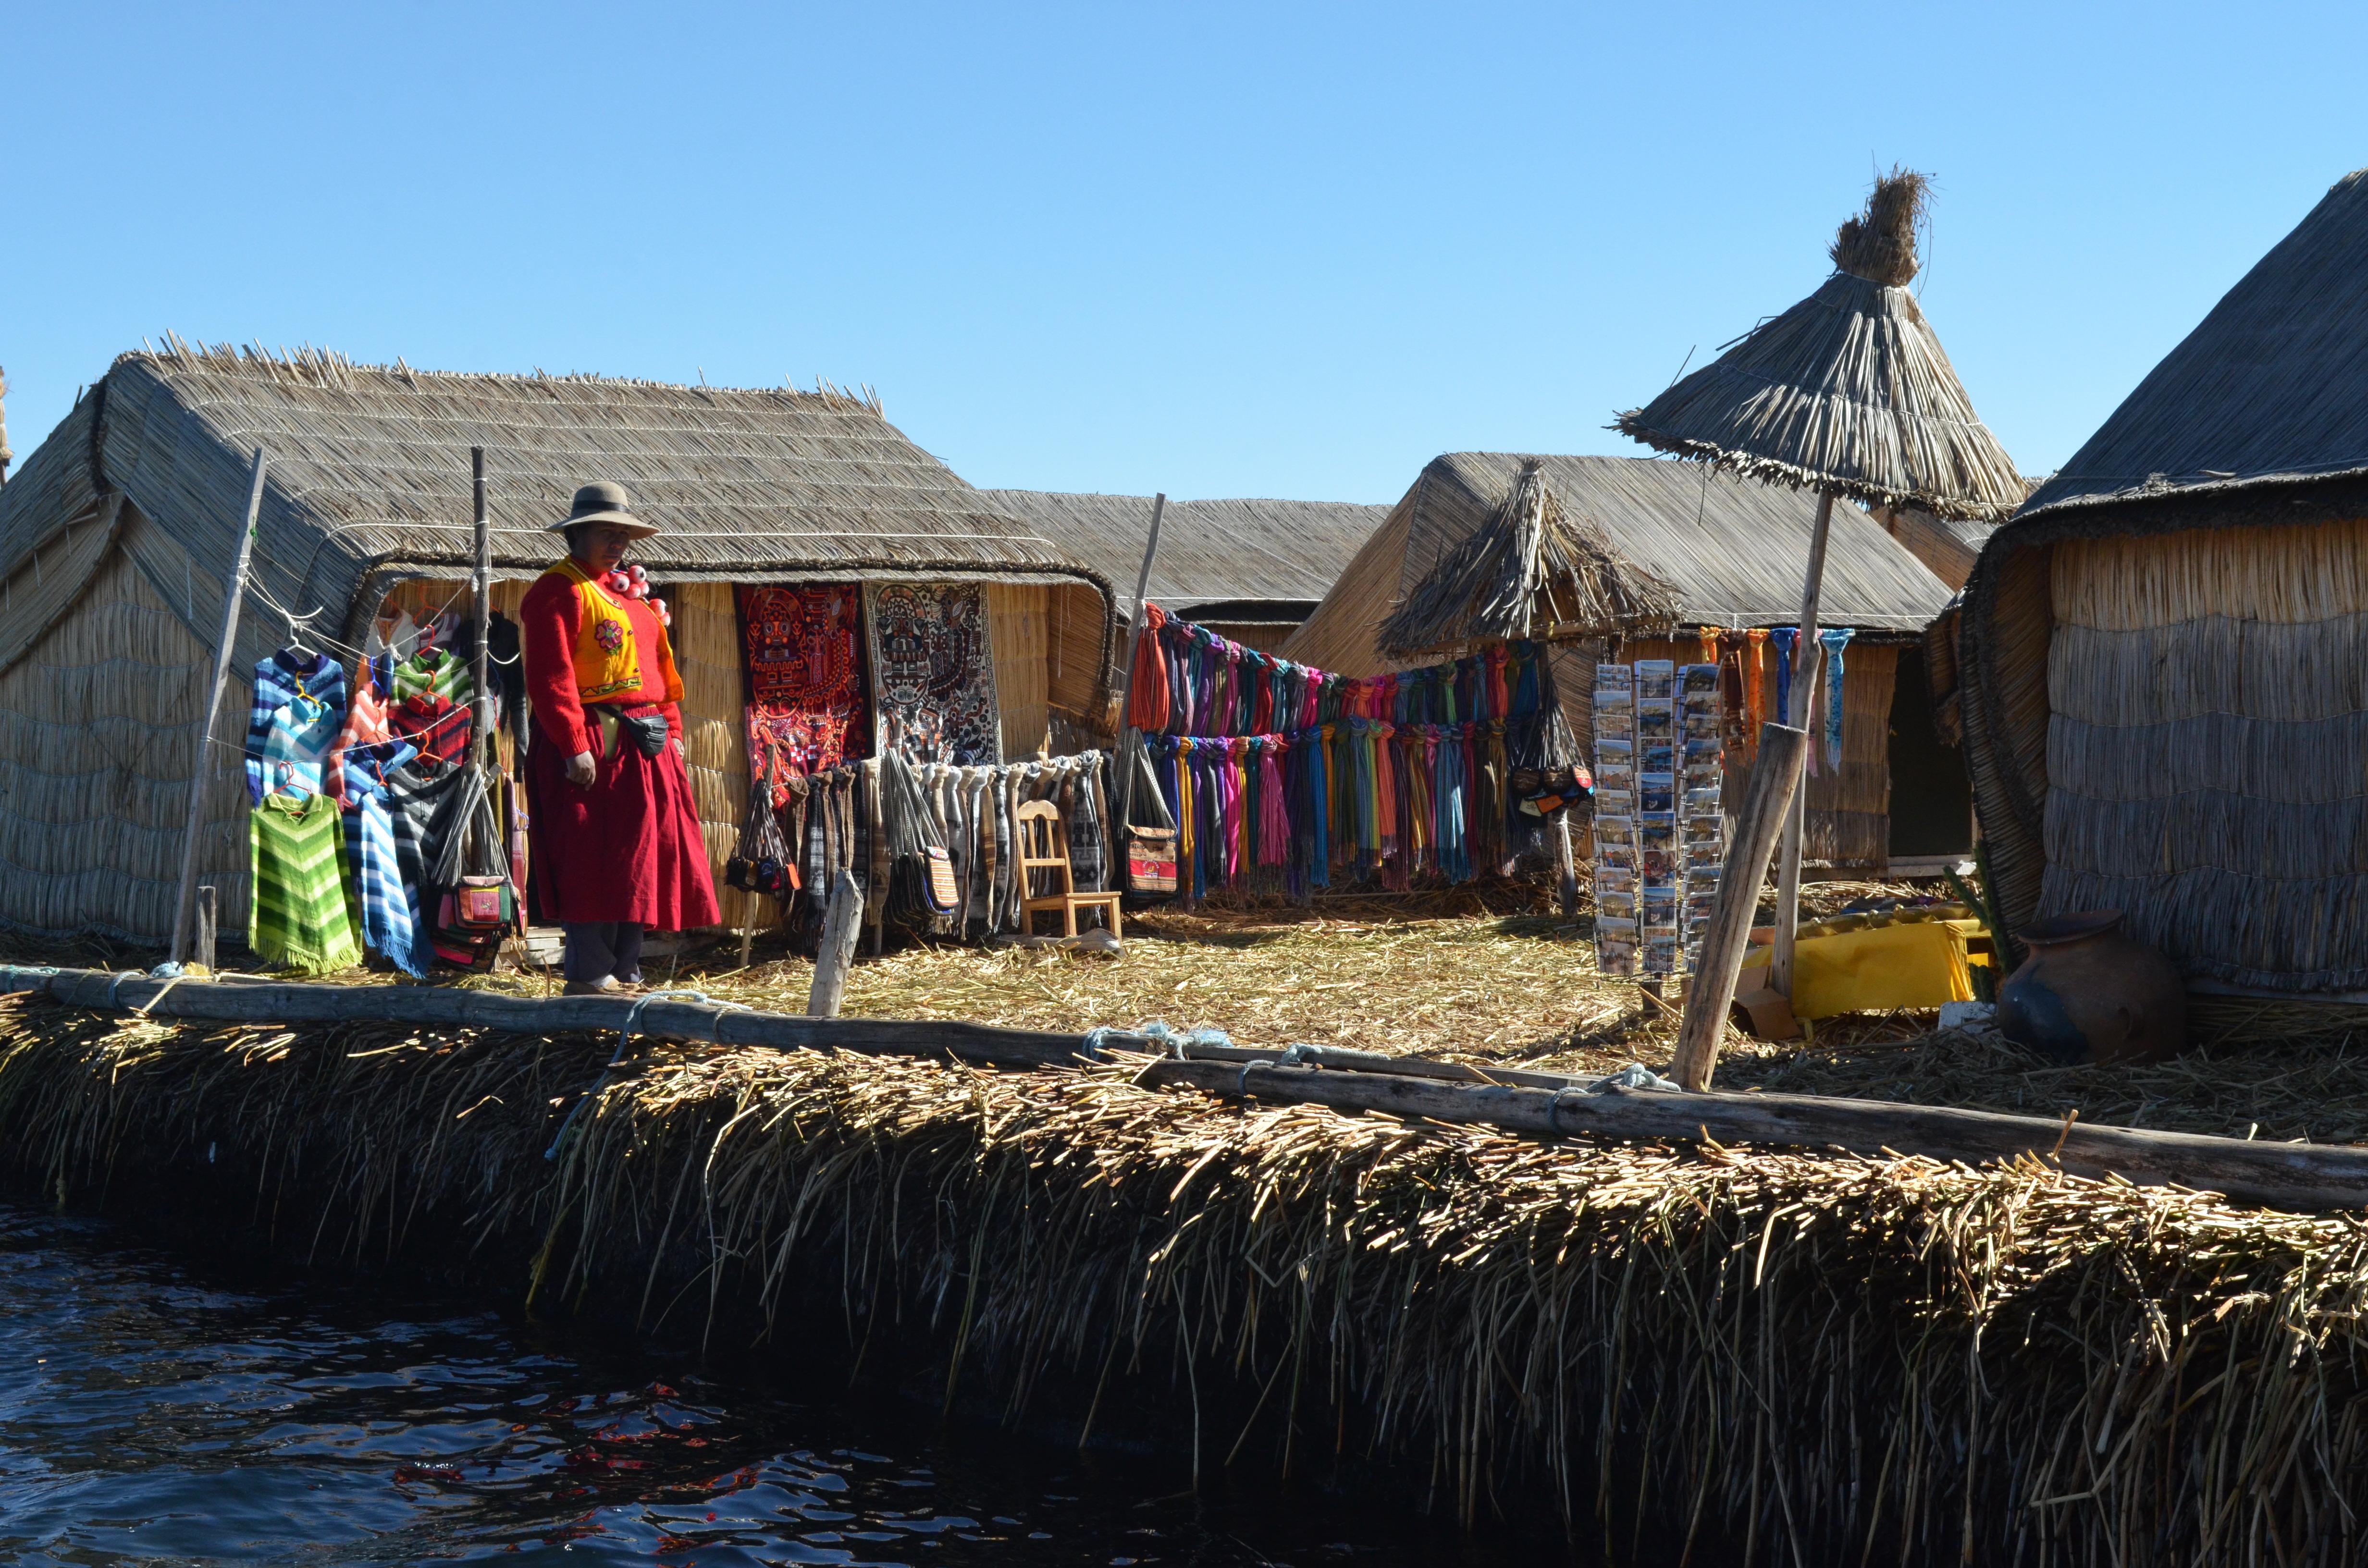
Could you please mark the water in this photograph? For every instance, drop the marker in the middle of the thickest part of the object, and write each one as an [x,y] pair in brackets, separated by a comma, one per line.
[156,1410]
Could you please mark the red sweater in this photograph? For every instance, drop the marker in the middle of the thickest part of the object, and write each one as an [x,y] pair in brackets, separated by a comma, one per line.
[547,622]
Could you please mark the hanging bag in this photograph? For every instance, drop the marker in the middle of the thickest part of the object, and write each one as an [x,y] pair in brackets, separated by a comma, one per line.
[476,904]
[1150,849]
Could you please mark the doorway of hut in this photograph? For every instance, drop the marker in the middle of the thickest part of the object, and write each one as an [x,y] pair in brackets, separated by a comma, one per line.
[1931,797]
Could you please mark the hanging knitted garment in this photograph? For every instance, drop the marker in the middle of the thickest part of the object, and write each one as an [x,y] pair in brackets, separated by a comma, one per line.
[290,689]
[1834,641]
[296,911]
[391,918]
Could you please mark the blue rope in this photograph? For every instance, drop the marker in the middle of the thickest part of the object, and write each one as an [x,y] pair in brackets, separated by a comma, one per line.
[624,1037]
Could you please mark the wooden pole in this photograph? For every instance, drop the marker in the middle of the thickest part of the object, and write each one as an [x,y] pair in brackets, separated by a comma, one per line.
[842,925]
[1127,740]
[480,730]
[1567,863]
[2297,1177]
[1774,783]
[1805,668]
[203,948]
[201,772]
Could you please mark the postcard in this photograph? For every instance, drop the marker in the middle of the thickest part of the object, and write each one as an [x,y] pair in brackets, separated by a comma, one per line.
[1656,679]
[1656,720]
[1704,830]
[1616,857]
[1697,680]
[1659,905]
[1656,830]
[1657,792]
[1656,757]
[1704,799]
[1659,865]
[1615,957]
[1661,955]
[1614,802]
[1703,726]
[1615,830]
[1615,677]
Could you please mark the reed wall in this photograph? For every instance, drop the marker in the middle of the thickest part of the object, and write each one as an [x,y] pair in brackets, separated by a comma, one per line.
[2207,747]
[98,734]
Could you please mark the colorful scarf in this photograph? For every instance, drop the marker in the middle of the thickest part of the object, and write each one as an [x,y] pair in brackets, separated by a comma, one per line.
[1834,641]
[1784,637]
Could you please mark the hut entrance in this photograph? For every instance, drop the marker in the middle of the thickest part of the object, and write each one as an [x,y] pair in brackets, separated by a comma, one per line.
[1932,798]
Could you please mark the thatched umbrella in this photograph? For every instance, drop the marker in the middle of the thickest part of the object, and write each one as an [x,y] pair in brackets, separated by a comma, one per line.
[1848,393]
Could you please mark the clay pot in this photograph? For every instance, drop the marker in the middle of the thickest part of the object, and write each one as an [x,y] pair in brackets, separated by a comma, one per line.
[2089,993]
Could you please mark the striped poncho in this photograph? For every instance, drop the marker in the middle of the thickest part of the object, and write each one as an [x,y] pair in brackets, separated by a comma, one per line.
[298,914]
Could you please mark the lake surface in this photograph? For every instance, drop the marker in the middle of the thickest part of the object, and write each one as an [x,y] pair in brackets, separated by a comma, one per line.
[159,1410]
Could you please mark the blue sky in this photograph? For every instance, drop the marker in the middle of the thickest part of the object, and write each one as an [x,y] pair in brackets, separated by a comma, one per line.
[1217,250]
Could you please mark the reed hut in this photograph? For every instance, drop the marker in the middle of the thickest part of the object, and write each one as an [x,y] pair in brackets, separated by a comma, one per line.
[1632,557]
[1249,569]
[2163,686]
[116,542]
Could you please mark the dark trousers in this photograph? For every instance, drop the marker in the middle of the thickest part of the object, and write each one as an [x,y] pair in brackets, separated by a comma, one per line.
[599,947]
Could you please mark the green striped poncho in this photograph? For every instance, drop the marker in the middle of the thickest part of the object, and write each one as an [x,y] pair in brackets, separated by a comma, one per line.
[296,861]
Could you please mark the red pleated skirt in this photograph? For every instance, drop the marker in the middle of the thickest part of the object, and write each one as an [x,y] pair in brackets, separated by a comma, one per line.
[628,848]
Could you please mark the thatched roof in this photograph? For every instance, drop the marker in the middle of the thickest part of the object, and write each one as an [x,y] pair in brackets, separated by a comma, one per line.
[370,474]
[1660,544]
[2267,392]
[1849,391]
[1252,559]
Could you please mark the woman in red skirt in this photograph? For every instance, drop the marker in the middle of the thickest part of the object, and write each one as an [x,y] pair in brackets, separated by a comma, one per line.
[617,847]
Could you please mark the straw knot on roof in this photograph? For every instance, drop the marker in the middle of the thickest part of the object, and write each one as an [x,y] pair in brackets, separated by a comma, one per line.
[1848,392]
[1530,568]
[1880,244]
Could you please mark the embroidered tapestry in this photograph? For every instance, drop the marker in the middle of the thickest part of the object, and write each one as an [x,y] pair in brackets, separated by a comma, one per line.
[933,672]
[805,679]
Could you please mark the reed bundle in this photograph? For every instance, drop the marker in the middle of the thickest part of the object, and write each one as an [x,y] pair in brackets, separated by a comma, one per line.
[1803,1357]
[1531,568]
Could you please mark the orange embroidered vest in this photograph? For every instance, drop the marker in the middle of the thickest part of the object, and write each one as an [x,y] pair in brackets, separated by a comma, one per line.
[606,660]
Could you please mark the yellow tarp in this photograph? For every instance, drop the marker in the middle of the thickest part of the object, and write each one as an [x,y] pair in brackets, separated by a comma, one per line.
[1918,966]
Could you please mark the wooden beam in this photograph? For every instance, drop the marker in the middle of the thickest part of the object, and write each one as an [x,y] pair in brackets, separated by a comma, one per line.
[430,1006]
[1766,809]
[202,773]
[842,925]
[1804,668]
[2299,1176]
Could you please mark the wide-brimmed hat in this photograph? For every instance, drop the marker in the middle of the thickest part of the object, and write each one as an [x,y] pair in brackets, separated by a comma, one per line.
[604,500]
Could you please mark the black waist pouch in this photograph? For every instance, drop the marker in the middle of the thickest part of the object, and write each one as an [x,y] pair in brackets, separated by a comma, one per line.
[649,732]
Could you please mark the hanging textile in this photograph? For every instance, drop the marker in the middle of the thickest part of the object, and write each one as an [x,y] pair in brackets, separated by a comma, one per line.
[292,724]
[1834,640]
[436,672]
[435,725]
[1755,677]
[387,900]
[803,647]
[933,672]
[296,908]
[1783,638]
[415,792]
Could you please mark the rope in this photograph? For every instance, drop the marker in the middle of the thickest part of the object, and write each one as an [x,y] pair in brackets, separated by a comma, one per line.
[624,1037]
[116,983]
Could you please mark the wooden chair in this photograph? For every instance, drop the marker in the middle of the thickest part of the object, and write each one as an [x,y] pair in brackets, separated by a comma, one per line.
[1044,847]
